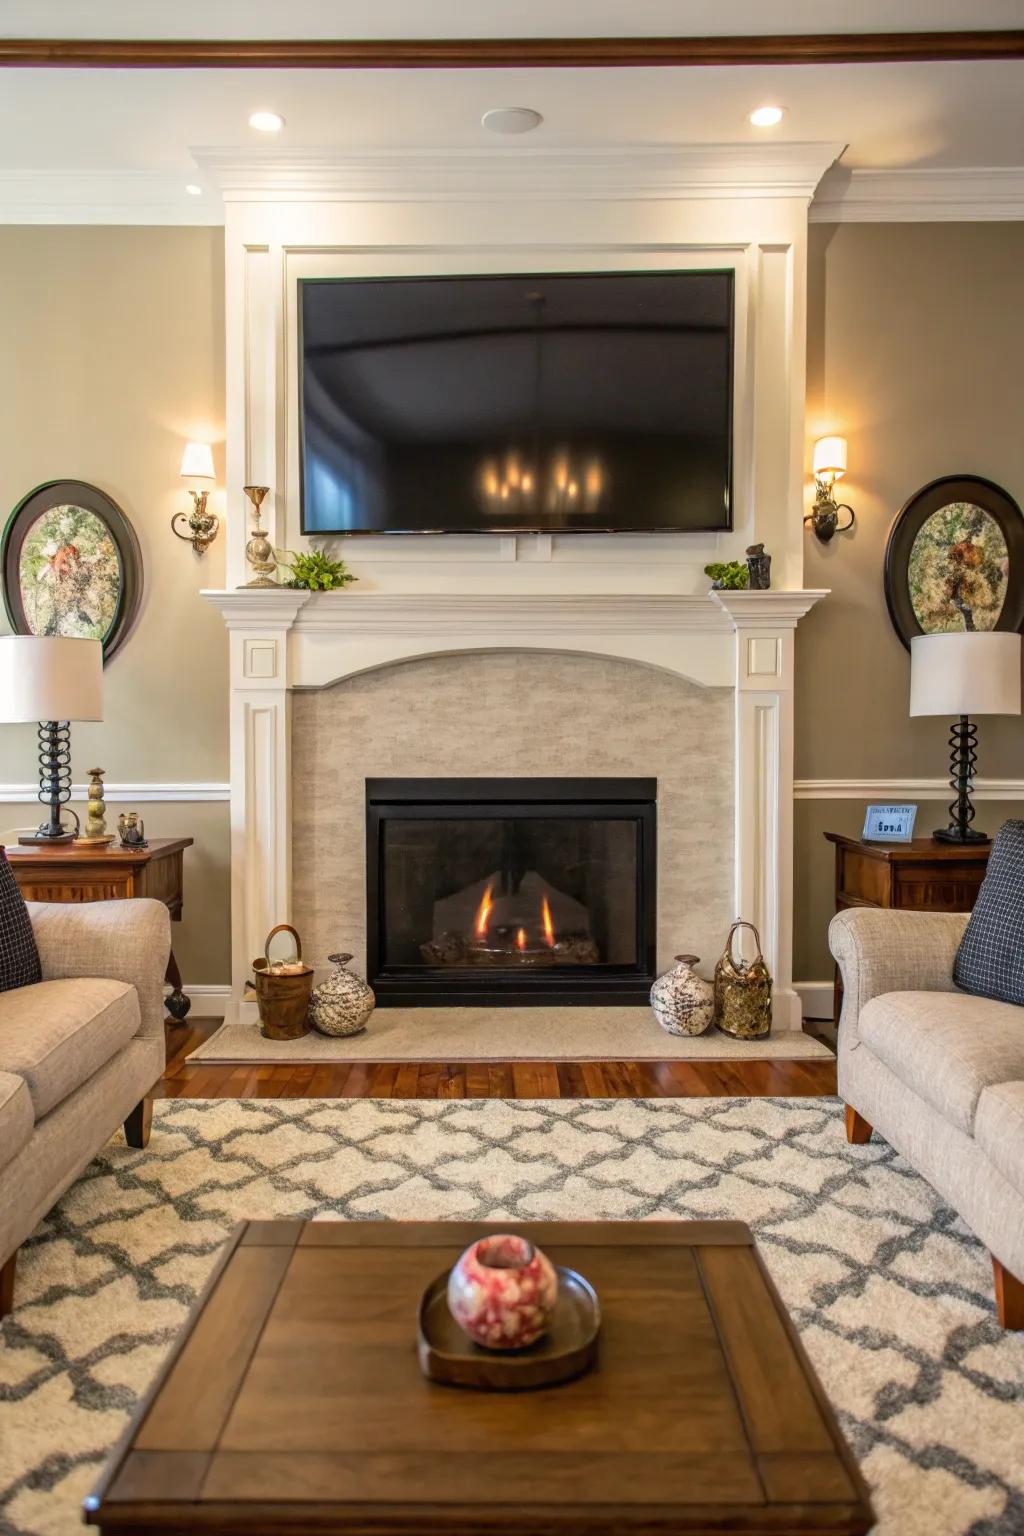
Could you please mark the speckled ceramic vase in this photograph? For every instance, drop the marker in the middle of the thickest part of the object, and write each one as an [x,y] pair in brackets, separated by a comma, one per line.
[502,1292]
[683,1002]
[342,1004]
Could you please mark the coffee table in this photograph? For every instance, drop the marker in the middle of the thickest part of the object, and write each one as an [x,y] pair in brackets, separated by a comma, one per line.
[294,1402]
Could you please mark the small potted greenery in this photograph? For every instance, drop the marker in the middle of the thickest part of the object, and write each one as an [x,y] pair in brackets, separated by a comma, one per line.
[313,570]
[728,575]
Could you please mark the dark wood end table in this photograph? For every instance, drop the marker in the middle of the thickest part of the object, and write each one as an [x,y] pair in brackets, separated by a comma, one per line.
[921,876]
[76,872]
[294,1402]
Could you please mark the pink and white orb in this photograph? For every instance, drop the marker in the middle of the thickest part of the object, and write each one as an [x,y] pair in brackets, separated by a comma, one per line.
[502,1292]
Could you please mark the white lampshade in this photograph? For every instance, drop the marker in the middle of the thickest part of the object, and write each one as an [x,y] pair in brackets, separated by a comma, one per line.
[197,462]
[47,677]
[965,673]
[830,457]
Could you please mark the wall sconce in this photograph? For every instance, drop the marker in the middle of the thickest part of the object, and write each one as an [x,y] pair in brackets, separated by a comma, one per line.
[829,466]
[203,526]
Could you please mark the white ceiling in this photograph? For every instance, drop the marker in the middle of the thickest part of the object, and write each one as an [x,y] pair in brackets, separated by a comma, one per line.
[139,127]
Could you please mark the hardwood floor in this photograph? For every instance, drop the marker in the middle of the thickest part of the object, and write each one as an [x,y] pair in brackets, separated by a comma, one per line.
[482,1080]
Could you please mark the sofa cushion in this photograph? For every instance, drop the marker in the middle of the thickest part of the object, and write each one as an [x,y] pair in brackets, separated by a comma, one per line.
[990,960]
[946,1046]
[19,958]
[17,1121]
[58,1033]
[999,1130]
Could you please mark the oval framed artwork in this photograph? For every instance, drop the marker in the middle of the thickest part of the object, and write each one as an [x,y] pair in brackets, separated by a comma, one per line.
[954,560]
[71,565]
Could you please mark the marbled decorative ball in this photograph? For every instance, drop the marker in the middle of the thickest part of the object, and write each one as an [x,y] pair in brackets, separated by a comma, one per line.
[502,1292]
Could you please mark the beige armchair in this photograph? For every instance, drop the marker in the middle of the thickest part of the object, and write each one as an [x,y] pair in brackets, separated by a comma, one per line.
[79,1053]
[938,1072]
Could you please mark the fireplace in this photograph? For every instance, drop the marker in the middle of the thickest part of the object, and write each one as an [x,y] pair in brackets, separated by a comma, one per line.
[502,891]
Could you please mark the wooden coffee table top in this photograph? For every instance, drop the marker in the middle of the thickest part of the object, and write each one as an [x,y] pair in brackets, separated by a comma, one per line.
[294,1399]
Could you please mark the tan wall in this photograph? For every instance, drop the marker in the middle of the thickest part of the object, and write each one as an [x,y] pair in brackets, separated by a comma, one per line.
[112,343]
[915,342]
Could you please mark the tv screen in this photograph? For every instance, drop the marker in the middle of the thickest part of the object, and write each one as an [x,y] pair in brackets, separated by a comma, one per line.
[580,403]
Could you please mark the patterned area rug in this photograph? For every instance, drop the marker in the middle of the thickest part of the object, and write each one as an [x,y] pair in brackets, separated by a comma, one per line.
[890,1292]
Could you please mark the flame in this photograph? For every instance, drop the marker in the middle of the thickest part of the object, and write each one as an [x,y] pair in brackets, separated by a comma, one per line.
[483,914]
[549,927]
[521,939]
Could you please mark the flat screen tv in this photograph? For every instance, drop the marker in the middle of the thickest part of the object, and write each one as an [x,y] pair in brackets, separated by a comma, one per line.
[568,403]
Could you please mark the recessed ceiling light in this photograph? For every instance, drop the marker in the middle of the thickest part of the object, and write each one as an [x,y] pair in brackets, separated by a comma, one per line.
[766,117]
[511,119]
[266,122]
[193,190]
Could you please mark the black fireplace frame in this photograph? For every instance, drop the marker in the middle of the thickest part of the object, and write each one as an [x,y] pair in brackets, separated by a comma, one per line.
[633,799]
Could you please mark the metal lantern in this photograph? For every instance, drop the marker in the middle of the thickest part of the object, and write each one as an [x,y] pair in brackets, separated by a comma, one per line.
[743,992]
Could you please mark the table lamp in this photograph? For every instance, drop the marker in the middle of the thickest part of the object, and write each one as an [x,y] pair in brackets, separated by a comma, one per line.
[964,674]
[52,680]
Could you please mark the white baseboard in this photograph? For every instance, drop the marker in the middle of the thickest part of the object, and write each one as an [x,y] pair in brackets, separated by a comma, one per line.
[815,998]
[208,1002]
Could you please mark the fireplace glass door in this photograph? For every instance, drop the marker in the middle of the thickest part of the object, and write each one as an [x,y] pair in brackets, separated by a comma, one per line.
[510,890]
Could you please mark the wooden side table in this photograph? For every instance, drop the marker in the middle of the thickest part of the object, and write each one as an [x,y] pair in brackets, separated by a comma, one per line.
[75,872]
[922,876]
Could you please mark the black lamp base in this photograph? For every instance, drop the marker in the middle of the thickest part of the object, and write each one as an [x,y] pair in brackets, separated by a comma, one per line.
[963,754]
[54,785]
[954,835]
[47,839]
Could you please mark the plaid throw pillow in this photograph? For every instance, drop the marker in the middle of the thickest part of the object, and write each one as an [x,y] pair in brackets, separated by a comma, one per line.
[19,958]
[990,960]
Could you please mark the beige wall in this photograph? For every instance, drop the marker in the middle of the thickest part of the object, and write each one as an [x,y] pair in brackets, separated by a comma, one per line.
[111,357]
[915,348]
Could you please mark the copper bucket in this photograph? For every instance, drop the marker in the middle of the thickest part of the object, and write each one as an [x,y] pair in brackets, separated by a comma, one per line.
[282,991]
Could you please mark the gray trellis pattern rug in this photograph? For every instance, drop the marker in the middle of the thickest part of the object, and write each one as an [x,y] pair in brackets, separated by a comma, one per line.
[890,1292]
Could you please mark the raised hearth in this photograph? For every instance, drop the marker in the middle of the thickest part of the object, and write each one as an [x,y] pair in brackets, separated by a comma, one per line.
[510,890]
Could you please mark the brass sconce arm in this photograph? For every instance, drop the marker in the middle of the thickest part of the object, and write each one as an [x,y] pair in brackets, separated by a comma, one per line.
[824,515]
[203,526]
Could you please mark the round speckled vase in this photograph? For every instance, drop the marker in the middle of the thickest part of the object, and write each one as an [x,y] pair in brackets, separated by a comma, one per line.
[342,1004]
[502,1292]
[683,1002]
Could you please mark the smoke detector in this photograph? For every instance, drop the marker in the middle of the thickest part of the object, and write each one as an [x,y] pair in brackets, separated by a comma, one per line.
[511,119]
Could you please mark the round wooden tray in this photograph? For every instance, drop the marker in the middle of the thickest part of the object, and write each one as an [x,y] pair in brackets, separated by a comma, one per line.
[568,1348]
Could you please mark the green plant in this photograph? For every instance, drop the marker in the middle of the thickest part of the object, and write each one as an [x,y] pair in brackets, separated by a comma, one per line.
[314,571]
[728,574]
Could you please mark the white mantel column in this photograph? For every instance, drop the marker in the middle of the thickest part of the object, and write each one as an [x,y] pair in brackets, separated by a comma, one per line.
[765,625]
[261,878]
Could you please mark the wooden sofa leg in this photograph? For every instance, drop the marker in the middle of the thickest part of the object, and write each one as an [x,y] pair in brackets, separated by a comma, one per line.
[1009,1297]
[138,1124]
[7,1284]
[858,1131]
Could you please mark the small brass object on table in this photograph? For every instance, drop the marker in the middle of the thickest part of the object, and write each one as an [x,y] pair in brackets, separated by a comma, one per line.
[743,992]
[259,551]
[282,990]
[96,833]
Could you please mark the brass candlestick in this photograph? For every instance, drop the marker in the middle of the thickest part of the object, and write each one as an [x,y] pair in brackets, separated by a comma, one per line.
[259,551]
[96,826]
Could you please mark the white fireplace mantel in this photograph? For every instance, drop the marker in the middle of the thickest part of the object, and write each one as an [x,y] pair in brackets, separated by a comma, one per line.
[282,640]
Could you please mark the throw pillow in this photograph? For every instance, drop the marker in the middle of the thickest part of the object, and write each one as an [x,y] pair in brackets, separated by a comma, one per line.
[990,960]
[19,958]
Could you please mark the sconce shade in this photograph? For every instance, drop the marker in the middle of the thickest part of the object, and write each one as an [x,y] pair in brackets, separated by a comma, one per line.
[197,462]
[965,673]
[830,457]
[48,677]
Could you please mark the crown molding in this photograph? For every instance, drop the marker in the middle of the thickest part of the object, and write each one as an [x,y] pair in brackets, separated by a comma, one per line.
[953,194]
[630,172]
[104,197]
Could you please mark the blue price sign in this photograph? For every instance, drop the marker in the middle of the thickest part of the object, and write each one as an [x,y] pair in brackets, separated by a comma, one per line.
[889,823]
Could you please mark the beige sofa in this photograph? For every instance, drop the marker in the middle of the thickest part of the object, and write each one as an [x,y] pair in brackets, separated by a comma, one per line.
[938,1072]
[79,1053]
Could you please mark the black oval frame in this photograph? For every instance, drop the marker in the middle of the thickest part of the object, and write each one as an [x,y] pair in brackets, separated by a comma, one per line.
[908,523]
[56,493]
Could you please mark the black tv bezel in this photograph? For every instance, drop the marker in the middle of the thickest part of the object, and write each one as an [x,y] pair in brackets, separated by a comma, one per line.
[527,528]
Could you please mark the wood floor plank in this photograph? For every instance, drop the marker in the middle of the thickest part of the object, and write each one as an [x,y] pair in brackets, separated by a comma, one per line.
[495,1079]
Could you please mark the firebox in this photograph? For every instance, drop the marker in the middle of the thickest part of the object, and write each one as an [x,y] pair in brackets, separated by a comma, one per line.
[502,891]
